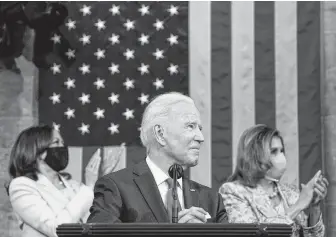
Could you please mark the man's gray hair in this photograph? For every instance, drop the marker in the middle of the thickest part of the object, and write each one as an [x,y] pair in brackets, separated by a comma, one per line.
[157,111]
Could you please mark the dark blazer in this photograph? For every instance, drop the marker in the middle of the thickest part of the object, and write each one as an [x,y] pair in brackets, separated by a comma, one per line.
[131,195]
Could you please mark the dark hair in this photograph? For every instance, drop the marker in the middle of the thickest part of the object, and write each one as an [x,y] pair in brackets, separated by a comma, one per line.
[30,143]
[253,154]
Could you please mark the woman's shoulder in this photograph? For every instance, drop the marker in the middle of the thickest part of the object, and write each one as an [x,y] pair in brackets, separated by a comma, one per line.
[22,180]
[234,186]
[20,183]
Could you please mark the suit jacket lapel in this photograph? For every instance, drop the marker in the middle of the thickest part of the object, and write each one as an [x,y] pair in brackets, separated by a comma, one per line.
[45,184]
[149,190]
[191,195]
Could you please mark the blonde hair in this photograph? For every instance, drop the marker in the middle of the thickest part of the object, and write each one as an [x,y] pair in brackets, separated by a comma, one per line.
[253,154]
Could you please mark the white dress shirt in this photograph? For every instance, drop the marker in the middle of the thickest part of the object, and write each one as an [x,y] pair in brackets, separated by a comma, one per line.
[160,179]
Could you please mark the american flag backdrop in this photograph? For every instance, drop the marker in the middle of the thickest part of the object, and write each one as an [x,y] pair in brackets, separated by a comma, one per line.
[242,62]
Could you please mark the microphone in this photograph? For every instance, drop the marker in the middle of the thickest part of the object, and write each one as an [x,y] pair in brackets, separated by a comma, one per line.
[175,172]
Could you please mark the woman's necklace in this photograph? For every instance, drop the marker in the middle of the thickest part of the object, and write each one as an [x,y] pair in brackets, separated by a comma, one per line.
[274,193]
[60,182]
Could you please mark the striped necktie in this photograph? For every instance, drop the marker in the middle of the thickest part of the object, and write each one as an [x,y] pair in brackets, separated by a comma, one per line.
[170,199]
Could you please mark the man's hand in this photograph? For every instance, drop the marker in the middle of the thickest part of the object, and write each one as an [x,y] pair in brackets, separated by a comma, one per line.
[192,215]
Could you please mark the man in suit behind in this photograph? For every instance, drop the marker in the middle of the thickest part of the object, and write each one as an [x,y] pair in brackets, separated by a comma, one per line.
[171,131]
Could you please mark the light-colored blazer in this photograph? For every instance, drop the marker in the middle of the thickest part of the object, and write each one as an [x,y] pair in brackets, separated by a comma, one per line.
[252,205]
[41,207]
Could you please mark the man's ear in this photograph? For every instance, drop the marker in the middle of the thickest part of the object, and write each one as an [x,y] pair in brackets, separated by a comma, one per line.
[158,133]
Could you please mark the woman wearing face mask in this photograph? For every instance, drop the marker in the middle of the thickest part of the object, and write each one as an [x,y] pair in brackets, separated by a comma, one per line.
[253,193]
[40,196]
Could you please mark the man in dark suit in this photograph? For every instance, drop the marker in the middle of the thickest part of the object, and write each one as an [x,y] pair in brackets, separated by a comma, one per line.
[171,132]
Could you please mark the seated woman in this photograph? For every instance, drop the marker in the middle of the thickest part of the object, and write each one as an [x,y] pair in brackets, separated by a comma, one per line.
[40,196]
[253,193]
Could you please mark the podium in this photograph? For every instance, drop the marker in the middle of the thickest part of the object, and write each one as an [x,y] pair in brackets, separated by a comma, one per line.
[159,229]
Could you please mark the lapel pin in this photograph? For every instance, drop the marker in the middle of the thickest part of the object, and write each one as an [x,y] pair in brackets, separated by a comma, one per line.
[192,190]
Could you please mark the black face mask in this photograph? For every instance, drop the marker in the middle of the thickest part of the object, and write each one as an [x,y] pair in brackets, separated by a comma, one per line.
[57,158]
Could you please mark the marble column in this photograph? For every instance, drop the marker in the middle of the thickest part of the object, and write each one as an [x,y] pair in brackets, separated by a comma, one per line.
[18,110]
[328,100]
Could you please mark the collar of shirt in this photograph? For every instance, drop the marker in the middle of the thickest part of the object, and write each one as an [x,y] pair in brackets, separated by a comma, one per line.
[158,174]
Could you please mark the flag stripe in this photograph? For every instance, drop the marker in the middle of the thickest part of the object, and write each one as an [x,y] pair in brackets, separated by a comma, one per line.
[243,96]
[309,102]
[75,166]
[87,153]
[200,82]
[264,63]
[221,73]
[262,68]
[286,85]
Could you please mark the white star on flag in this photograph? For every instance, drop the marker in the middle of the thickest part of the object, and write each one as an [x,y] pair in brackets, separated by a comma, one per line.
[86,10]
[99,83]
[55,98]
[85,68]
[56,126]
[85,98]
[100,53]
[128,113]
[114,68]
[172,69]
[143,98]
[84,128]
[115,10]
[71,24]
[144,10]
[114,128]
[114,98]
[143,69]
[70,83]
[56,68]
[100,24]
[158,54]
[85,39]
[56,38]
[114,39]
[129,24]
[99,113]
[70,113]
[173,10]
[70,53]
[172,39]
[129,83]
[129,54]
[158,25]
[143,39]
[158,83]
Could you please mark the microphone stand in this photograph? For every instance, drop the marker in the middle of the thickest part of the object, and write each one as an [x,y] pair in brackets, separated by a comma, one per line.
[175,198]
[175,172]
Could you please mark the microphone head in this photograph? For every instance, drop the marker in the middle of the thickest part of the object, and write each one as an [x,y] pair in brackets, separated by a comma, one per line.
[178,169]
